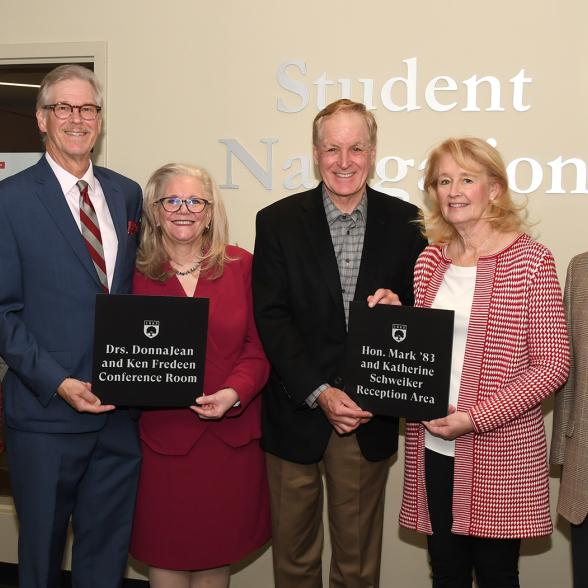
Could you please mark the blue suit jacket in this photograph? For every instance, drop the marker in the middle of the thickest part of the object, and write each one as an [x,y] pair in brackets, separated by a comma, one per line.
[47,293]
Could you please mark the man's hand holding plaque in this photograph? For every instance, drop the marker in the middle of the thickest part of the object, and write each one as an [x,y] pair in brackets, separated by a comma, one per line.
[79,395]
[341,411]
[383,296]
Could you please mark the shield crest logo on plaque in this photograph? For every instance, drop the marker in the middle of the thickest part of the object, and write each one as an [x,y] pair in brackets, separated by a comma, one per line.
[399,333]
[151,329]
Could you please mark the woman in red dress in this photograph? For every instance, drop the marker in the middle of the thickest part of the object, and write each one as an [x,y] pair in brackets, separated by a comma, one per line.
[202,501]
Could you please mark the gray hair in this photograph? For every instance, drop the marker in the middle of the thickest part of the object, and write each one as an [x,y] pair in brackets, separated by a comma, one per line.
[68,72]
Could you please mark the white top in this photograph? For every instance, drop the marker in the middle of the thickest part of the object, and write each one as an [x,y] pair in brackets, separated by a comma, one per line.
[455,293]
[71,192]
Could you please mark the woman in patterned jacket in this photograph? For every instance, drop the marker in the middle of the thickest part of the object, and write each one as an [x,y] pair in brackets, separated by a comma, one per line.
[476,481]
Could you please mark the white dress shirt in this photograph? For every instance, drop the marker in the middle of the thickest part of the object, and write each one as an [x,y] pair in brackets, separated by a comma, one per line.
[71,192]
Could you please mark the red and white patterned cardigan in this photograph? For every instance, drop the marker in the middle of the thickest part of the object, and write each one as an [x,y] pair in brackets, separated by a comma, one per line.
[516,355]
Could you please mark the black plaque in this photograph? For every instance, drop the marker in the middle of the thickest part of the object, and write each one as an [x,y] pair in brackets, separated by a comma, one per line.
[399,360]
[149,350]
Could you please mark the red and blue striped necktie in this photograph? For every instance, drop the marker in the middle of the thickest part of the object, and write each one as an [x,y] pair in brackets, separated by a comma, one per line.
[91,233]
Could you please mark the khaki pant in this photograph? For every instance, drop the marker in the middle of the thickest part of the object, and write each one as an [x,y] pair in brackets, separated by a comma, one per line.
[355,495]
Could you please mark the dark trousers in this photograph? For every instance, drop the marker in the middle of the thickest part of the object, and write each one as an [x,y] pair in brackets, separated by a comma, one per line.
[91,477]
[454,557]
[580,554]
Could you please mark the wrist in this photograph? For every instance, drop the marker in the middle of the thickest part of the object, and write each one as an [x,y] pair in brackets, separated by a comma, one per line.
[234,397]
[312,398]
[324,395]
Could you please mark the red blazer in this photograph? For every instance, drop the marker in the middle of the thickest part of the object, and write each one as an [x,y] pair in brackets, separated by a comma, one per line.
[234,359]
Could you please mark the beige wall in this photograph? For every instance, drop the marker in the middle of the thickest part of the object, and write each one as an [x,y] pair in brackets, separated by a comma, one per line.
[181,75]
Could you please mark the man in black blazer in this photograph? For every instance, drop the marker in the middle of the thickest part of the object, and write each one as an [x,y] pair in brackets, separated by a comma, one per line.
[68,454]
[314,253]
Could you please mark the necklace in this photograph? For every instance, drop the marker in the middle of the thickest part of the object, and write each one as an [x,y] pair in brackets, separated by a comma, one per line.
[189,271]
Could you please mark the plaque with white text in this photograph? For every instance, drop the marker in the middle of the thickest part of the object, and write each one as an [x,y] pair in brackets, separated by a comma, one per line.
[399,360]
[149,350]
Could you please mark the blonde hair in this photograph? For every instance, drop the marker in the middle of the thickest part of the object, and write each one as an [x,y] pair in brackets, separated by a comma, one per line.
[344,105]
[151,255]
[503,213]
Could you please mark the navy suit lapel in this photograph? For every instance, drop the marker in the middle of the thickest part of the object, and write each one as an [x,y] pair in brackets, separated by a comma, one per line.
[50,194]
[116,206]
[319,236]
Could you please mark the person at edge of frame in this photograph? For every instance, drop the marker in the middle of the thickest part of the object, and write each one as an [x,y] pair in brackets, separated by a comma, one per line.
[68,231]
[569,440]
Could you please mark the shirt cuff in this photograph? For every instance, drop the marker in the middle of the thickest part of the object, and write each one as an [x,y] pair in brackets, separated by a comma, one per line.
[313,396]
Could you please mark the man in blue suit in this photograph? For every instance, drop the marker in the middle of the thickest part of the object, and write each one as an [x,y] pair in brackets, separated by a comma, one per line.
[69,455]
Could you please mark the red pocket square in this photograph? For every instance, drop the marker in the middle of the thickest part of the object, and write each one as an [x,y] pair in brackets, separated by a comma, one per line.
[132,227]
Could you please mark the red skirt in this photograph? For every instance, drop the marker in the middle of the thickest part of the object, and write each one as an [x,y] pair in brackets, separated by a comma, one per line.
[202,510]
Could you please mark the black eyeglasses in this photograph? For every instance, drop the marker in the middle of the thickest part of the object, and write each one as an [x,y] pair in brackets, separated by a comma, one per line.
[64,110]
[174,203]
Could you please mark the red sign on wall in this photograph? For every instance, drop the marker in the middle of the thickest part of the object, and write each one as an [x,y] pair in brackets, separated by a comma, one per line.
[2,164]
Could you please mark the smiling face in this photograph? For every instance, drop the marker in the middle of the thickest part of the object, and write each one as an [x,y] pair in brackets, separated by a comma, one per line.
[464,195]
[70,141]
[344,157]
[183,228]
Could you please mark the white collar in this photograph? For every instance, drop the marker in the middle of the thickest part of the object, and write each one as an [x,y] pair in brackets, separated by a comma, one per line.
[66,180]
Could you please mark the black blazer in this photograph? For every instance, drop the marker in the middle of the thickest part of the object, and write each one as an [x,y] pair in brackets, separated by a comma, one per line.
[300,316]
